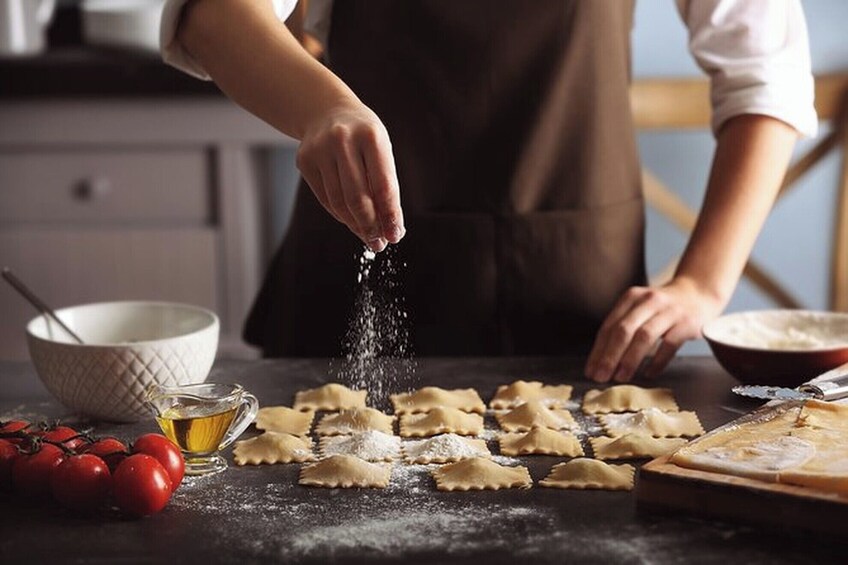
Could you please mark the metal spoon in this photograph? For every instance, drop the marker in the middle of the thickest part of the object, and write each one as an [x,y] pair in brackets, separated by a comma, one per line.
[35,301]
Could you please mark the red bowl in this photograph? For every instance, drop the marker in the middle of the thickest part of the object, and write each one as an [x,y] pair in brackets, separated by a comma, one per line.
[779,347]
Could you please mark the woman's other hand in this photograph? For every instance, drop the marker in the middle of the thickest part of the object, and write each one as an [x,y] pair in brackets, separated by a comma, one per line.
[649,320]
[346,158]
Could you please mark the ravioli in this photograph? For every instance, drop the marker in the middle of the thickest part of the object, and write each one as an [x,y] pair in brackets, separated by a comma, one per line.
[429,397]
[519,392]
[345,471]
[480,474]
[273,447]
[329,397]
[590,474]
[628,398]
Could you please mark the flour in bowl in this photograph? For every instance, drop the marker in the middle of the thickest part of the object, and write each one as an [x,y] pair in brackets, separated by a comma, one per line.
[781,330]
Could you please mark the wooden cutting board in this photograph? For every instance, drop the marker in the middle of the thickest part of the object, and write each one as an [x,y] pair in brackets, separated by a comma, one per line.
[663,486]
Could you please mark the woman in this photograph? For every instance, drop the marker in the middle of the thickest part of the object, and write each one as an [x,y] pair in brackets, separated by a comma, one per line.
[506,128]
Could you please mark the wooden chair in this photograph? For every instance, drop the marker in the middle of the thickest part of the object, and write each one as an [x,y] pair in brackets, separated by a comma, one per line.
[684,104]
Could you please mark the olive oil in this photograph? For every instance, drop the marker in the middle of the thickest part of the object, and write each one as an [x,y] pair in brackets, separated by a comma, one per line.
[194,429]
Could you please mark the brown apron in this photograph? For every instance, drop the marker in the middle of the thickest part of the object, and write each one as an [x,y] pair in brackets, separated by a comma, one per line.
[519,177]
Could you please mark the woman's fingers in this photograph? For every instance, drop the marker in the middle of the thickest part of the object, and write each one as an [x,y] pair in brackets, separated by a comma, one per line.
[647,320]
[357,197]
[618,330]
[347,161]
[643,342]
[383,186]
[663,356]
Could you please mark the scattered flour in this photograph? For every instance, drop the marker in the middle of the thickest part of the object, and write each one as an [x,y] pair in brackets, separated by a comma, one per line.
[371,445]
[280,522]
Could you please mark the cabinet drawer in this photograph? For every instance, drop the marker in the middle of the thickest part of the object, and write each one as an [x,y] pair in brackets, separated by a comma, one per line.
[76,267]
[105,187]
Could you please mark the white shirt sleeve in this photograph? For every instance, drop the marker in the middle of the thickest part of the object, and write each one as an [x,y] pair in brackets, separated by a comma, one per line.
[174,54]
[757,56]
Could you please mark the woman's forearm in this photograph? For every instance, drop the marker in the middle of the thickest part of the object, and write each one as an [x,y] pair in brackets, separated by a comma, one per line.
[257,62]
[750,161]
[751,157]
[345,153]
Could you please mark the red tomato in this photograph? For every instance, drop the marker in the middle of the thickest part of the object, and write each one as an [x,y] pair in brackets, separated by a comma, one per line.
[166,452]
[81,482]
[63,435]
[141,485]
[31,472]
[13,426]
[8,454]
[108,449]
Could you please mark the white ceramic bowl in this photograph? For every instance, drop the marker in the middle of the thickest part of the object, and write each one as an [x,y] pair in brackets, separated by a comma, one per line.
[128,346]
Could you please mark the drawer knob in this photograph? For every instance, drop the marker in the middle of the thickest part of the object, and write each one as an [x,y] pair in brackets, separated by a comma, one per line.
[91,188]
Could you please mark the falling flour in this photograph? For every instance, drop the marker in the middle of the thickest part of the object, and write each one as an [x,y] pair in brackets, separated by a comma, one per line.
[378,332]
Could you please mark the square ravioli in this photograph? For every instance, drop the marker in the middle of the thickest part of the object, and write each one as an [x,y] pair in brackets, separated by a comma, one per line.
[284,419]
[370,445]
[589,474]
[345,471]
[519,392]
[541,441]
[534,414]
[353,420]
[441,421]
[653,422]
[628,398]
[429,397]
[329,397]
[444,448]
[273,447]
[480,474]
[634,446]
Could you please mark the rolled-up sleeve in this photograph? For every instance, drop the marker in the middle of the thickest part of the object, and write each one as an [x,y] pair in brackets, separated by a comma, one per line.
[757,56]
[175,55]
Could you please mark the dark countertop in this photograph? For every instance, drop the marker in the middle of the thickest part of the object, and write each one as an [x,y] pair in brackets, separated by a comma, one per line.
[260,514]
[77,71]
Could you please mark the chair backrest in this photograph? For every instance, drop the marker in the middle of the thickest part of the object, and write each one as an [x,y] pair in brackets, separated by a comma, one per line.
[675,104]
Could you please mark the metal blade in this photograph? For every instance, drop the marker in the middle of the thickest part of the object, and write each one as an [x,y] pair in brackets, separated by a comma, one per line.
[771,392]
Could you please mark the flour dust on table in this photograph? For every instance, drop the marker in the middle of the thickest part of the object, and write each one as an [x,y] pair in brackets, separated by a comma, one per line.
[378,331]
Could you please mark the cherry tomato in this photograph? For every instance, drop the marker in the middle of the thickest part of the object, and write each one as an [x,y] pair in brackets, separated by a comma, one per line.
[81,482]
[111,450]
[64,435]
[8,454]
[141,485]
[14,426]
[31,471]
[166,452]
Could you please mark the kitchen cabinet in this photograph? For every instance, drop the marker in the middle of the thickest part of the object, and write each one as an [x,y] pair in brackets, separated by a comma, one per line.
[161,195]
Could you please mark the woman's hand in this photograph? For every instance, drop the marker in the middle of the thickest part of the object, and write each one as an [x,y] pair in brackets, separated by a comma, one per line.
[647,320]
[346,158]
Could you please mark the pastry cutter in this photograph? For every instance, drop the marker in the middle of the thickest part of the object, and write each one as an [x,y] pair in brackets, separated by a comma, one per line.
[831,385]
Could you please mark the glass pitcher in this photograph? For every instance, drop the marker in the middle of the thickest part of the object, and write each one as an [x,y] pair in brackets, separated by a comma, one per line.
[202,419]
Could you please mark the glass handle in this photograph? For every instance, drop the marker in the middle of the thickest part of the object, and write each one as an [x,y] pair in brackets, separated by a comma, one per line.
[247,412]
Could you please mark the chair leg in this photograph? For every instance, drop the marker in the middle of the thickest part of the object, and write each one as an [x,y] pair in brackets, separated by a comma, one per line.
[839,266]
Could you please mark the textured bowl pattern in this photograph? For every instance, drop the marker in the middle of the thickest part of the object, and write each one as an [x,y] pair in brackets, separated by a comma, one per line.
[108,382]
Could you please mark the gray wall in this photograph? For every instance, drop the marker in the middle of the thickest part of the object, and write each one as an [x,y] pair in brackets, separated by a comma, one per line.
[795,243]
